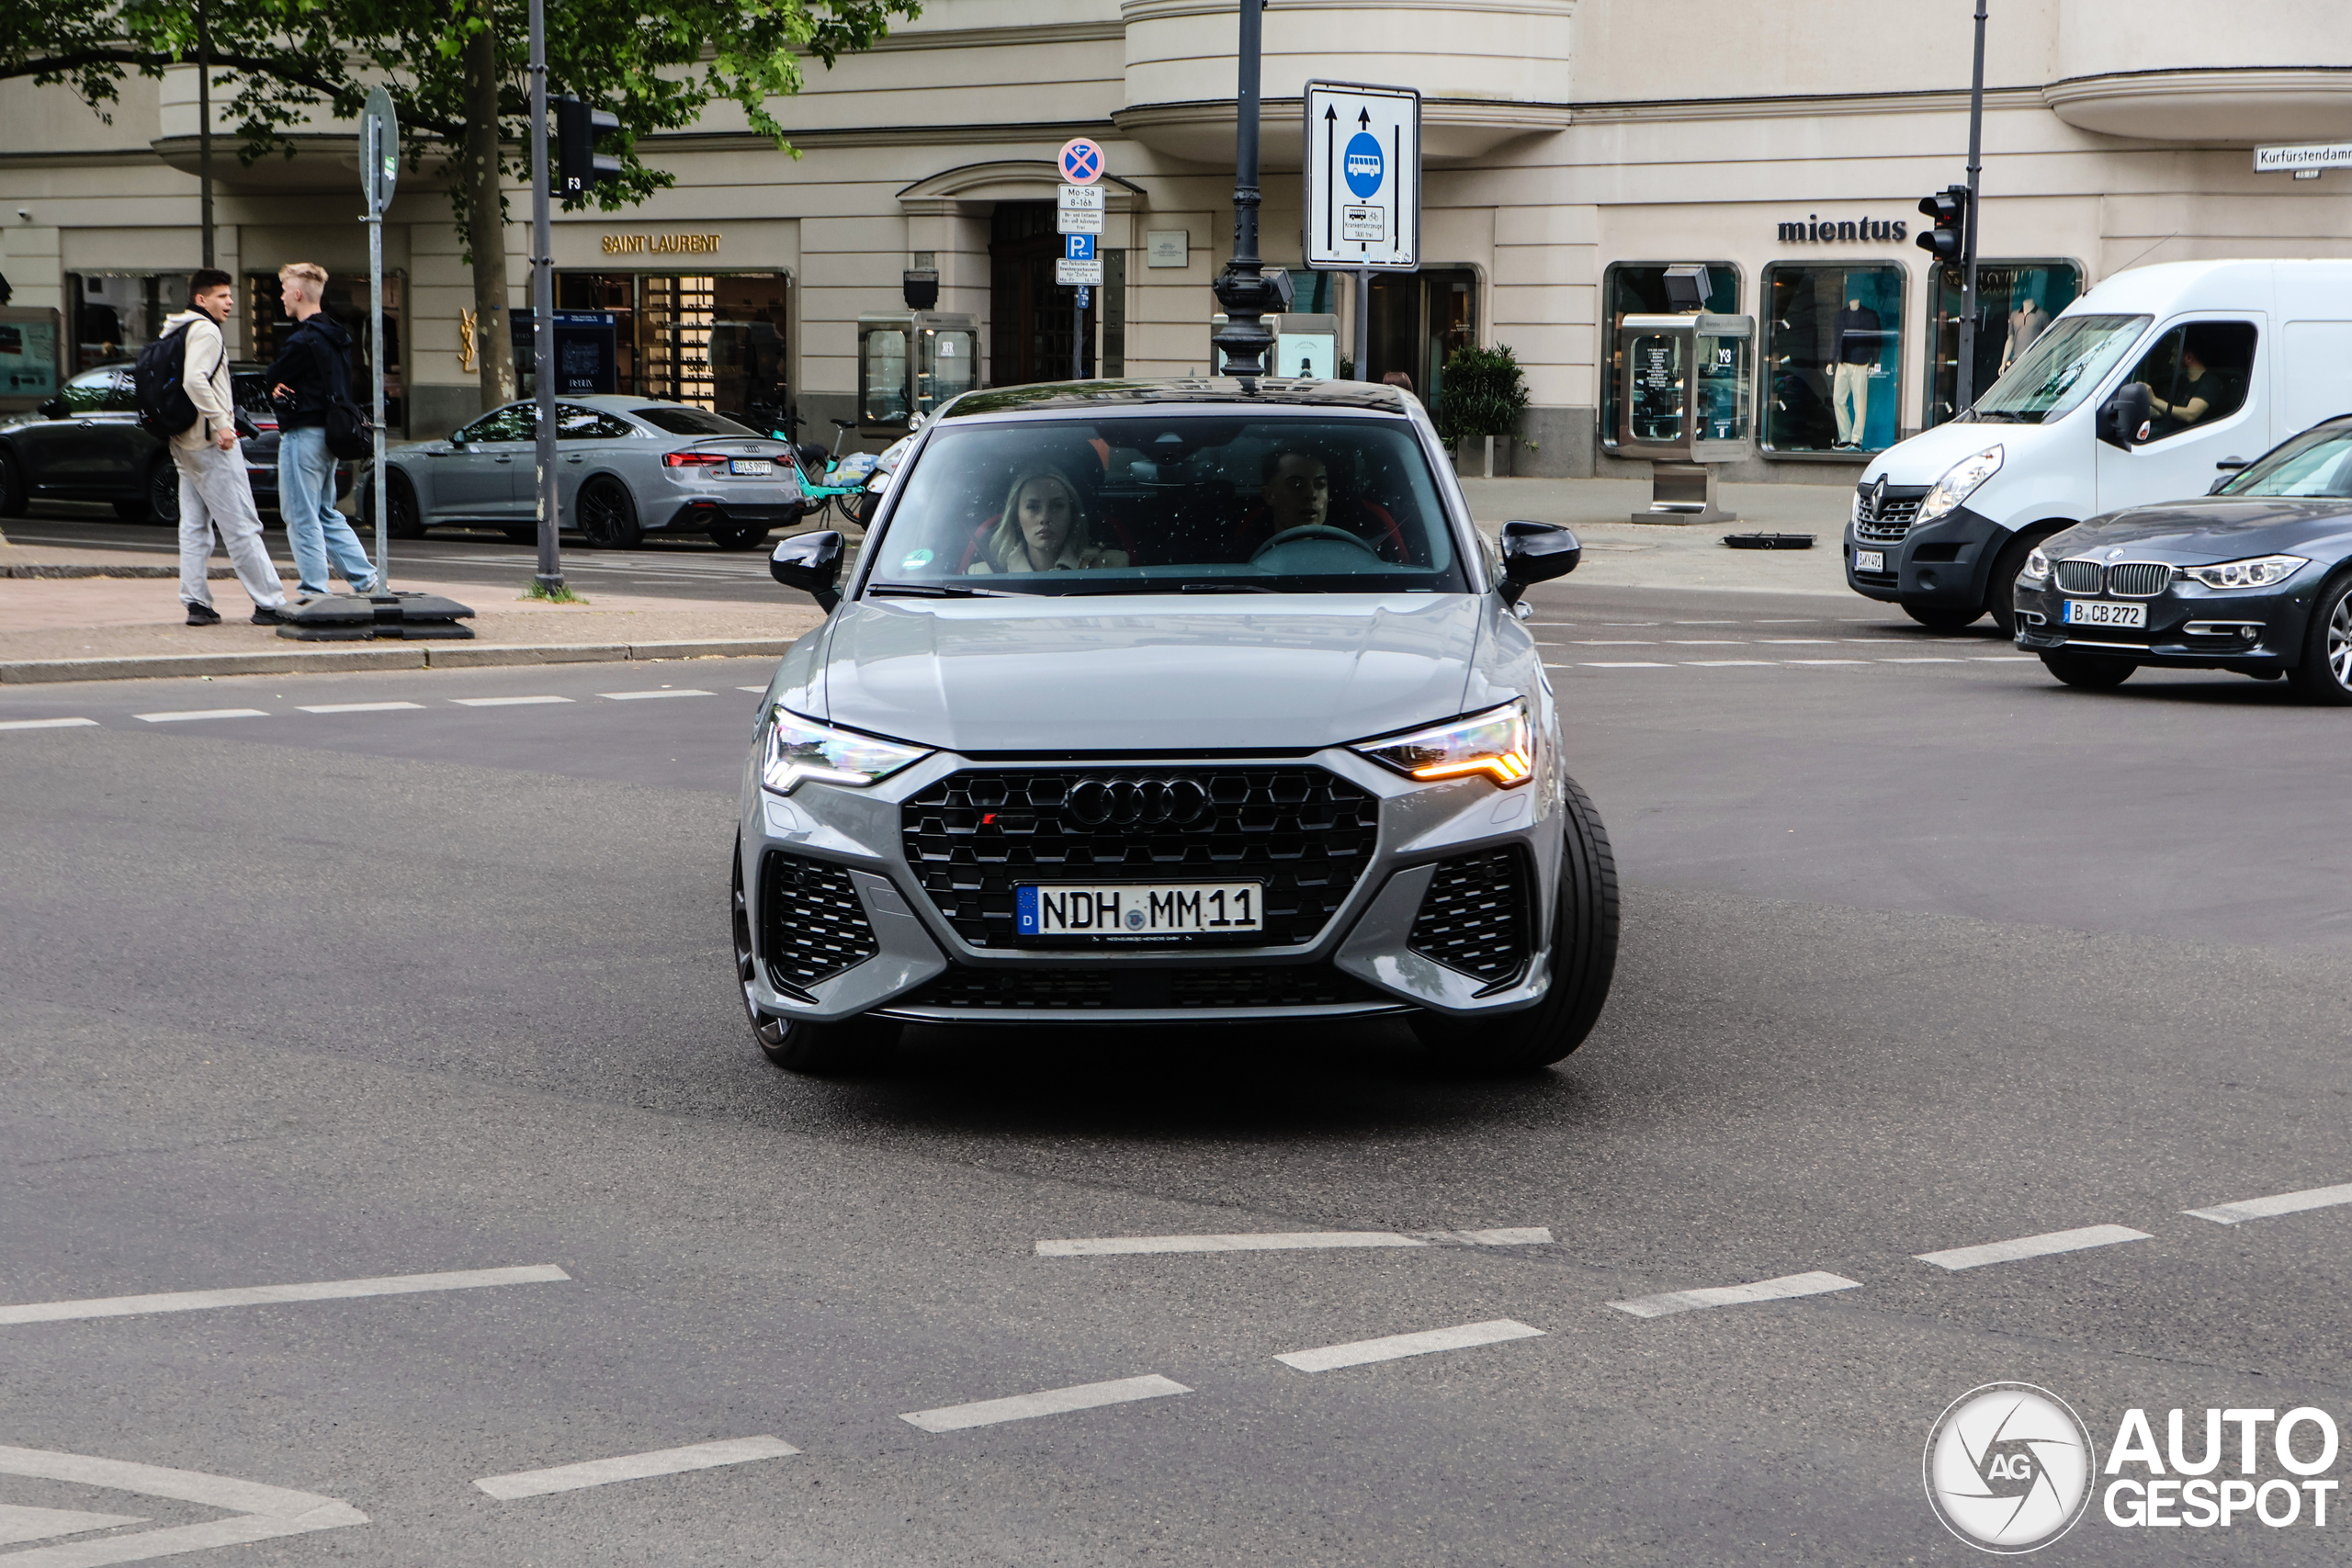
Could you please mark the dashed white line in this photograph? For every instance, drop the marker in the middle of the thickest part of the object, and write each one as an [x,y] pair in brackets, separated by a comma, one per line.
[1923,660]
[638,696]
[2247,1209]
[634,1467]
[1706,642]
[1051,1402]
[201,713]
[1395,1346]
[1626,664]
[2004,659]
[1607,642]
[259,1295]
[2031,1246]
[1787,1286]
[1824,661]
[1284,1241]
[751,688]
[503,701]
[1798,641]
[45,723]
[361,707]
[1730,663]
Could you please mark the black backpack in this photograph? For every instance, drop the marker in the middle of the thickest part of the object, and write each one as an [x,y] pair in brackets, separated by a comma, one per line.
[351,434]
[164,408]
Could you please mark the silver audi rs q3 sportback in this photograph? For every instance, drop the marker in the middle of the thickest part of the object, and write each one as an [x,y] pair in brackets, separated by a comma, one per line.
[1149,702]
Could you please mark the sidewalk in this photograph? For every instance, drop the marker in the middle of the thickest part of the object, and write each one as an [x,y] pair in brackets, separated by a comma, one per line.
[1619,553]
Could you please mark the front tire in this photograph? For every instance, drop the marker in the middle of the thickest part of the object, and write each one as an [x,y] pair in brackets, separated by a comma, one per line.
[2088,672]
[2001,593]
[608,515]
[795,1045]
[163,503]
[2325,674]
[1584,961]
[402,519]
[1941,617]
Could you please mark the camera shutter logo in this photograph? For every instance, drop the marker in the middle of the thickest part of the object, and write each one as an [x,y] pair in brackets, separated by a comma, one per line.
[2008,1468]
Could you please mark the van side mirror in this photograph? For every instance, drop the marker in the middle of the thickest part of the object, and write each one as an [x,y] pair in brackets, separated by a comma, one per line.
[2123,418]
[811,563]
[54,409]
[1536,552]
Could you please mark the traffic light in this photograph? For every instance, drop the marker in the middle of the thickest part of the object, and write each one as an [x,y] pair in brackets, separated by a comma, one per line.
[1947,240]
[577,164]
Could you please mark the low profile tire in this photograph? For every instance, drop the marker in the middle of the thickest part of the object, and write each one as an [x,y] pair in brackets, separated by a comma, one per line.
[739,535]
[12,485]
[1941,617]
[2088,672]
[402,521]
[794,1044]
[163,502]
[2325,674]
[2001,592]
[607,516]
[1584,961]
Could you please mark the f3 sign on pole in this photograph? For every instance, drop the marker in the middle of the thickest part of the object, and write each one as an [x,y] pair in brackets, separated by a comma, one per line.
[1363,176]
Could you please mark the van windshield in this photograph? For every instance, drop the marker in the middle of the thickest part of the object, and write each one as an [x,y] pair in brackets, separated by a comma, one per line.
[2059,370]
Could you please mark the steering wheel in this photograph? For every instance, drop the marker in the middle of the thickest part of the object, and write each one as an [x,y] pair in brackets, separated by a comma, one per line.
[1313,531]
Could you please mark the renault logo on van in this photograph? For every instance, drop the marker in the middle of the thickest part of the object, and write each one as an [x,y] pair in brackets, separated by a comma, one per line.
[1877,496]
[1132,803]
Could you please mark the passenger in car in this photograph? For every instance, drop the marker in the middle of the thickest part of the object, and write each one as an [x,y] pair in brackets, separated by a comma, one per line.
[1044,527]
[1297,493]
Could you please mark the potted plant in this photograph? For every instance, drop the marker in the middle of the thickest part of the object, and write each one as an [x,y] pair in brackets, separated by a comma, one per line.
[1484,394]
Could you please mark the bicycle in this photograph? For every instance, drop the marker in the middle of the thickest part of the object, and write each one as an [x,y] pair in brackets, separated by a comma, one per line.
[844,486]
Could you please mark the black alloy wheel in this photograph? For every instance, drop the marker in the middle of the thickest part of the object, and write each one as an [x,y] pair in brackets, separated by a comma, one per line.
[607,516]
[12,485]
[1941,617]
[163,487]
[739,535]
[2088,672]
[2325,676]
[796,1045]
[402,518]
[1583,962]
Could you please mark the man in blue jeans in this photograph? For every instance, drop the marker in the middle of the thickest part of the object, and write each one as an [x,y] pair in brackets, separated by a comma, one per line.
[310,370]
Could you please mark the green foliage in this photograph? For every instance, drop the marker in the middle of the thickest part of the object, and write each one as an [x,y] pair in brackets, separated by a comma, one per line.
[1482,393]
[561,593]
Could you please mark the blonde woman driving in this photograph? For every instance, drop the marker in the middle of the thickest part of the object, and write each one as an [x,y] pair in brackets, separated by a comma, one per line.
[1044,527]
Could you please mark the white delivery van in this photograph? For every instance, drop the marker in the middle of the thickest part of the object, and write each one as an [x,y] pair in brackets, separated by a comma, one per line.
[2147,388]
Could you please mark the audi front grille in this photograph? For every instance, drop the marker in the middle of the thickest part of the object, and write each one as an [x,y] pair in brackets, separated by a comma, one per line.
[973,837]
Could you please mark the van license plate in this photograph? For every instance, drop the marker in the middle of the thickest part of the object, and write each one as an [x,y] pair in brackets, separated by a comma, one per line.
[1870,560]
[1140,908]
[2101,613]
[750,466]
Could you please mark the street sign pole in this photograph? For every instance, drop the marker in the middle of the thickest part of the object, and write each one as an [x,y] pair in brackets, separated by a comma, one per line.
[1078,215]
[1965,391]
[379,134]
[1364,324]
[549,579]
[1247,293]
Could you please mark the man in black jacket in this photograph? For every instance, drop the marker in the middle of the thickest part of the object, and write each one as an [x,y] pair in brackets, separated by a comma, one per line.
[310,370]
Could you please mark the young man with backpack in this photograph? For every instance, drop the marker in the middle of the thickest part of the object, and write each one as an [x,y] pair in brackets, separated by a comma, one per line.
[193,383]
[309,378]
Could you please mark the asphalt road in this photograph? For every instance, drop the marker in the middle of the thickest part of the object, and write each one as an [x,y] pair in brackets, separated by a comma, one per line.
[1921,952]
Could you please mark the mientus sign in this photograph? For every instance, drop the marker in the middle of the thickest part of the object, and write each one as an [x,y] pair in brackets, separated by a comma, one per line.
[1849,229]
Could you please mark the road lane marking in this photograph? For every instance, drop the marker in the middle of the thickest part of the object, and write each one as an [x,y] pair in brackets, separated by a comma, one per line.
[503,701]
[636,697]
[1606,642]
[258,1295]
[1396,1347]
[2003,659]
[201,713]
[1729,664]
[634,1467]
[1633,664]
[360,707]
[257,1512]
[1053,1402]
[751,688]
[45,723]
[1923,660]
[1706,642]
[1284,1241]
[1783,1289]
[2031,1246]
[20,1523]
[2247,1209]
[1798,641]
[1824,661]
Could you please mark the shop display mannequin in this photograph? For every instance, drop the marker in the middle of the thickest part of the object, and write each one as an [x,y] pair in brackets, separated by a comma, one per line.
[1853,345]
[2027,322]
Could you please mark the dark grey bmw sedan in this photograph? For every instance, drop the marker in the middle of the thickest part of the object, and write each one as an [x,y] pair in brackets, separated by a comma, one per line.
[2255,577]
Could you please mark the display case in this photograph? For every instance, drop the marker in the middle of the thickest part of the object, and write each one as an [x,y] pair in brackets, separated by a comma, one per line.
[1685,399]
[909,362]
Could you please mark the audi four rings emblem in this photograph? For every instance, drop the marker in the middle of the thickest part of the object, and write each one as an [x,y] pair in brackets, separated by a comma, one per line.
[1137,803]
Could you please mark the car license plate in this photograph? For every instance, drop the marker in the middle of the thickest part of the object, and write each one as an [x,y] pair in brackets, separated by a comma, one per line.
[750,466]
[2102,612]
[1870,560]
[1140,909]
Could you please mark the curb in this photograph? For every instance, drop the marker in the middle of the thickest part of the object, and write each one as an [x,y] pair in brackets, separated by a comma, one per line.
[91,568]
[342,661]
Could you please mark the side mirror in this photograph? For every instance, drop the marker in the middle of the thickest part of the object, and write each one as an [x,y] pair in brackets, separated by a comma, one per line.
[2123,418]
[457,438]
[1536,552]
[54,409]
[811,563]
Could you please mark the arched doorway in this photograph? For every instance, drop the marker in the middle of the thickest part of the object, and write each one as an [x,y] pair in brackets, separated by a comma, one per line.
[1032,318]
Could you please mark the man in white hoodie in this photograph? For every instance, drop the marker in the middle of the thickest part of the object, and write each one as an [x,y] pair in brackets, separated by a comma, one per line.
[214,491]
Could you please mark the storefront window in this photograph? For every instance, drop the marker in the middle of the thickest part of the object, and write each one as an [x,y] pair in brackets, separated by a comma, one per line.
[2015,303]
[111,316]
[1833,357]
[1418,321]
[1638,288]
[713,341]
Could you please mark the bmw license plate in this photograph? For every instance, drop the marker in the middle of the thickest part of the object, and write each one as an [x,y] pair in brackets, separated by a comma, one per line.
[1140,908]
[1870,560]
[760,466]
[2103,612]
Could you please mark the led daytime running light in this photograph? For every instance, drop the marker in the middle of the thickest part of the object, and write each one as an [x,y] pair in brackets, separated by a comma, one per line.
[803,751]
[1498,743]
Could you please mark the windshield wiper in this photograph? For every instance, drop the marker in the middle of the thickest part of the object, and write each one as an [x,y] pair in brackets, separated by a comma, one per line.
[935,590]
[1224,587]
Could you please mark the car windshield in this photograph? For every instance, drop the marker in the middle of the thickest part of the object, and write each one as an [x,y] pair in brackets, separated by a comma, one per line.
[2318,463]
[690,422]
[2059,370]
[1162,503]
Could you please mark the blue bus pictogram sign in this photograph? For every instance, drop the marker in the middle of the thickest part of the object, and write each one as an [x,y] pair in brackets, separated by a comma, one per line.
[1363,164]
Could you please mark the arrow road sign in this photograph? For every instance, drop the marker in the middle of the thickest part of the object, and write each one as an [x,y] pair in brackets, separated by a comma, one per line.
[1081,161]
[1079,247]
[1363,162]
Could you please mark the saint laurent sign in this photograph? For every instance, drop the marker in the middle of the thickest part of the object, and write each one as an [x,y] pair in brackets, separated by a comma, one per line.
[1848,230]
[661,244]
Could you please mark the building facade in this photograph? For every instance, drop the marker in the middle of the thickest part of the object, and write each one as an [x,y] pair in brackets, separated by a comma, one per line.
[1574,148]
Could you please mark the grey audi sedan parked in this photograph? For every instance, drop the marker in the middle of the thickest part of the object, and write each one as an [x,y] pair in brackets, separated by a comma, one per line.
[626,467]
[1195,700]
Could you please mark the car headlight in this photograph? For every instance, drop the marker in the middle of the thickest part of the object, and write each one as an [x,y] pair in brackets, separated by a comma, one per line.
[801,750]
[2259,573]
[1498,743]
[1960,481]
[2037,567]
